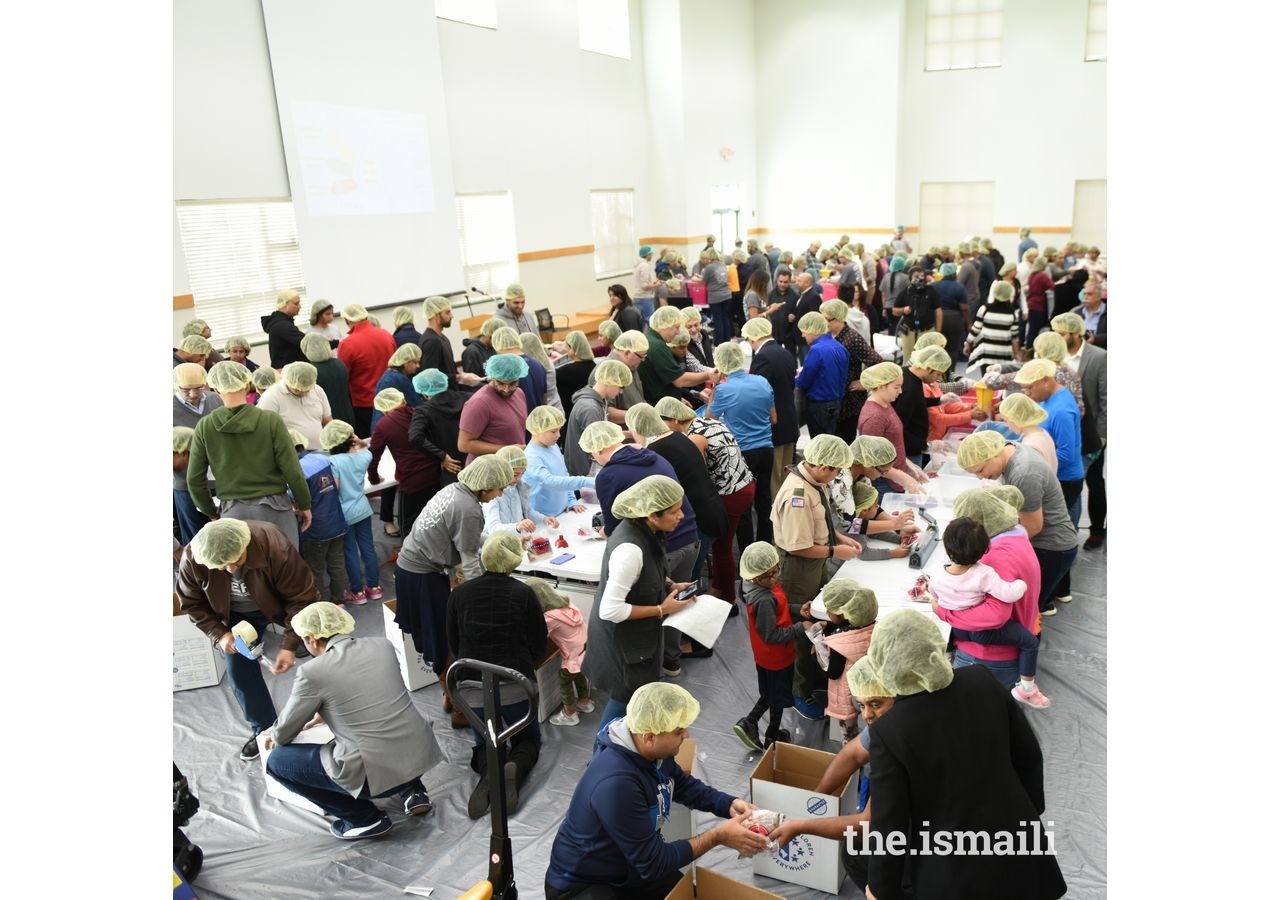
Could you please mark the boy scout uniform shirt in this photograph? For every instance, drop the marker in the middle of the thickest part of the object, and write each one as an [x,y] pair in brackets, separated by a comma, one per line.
[801,513]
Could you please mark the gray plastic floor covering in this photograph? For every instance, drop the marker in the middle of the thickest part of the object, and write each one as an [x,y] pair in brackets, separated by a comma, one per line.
[256,846]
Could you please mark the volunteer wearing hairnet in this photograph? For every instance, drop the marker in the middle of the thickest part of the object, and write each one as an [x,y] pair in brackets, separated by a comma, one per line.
[497,619]
[574,375]
[494,415]
[630,348]
[802,529]
[404,332]
[238,348]
[281,327]
[446,535]
[1089,361]
[381,744]
[873,457]
[192,399]
[299,401]
[533,348]
[883,381]
[989,781]
[552,490]
[1049,346]
[918,400]
[625,635]
[747,405]
[609,843]
[235,571]
[512,311]
[401,368]
[533,383]
[201,327]
[660,373]
[321,320]
[192,349]
[590,404]
[187,519]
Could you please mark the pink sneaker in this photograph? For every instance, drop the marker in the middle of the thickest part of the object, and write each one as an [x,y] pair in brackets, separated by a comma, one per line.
[356,599]
[1035,698]
[373,593]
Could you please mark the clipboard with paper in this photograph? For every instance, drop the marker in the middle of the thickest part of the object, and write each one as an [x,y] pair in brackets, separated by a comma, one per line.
[703,621]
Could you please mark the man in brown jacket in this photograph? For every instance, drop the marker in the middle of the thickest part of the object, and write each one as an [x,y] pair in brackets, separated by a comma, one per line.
[234,571]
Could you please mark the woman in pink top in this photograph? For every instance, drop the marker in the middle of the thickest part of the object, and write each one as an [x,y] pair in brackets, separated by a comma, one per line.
[878,418]
[568,631]
[1024,415]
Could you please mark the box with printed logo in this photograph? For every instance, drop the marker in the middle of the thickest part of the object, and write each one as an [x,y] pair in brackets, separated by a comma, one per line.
[197,662]
[784,781]
[703,884]
[417,673]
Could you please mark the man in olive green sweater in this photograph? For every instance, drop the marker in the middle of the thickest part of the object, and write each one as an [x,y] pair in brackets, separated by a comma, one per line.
[252,458]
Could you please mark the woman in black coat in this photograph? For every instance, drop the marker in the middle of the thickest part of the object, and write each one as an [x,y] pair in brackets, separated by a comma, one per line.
[959,755]
[624,309]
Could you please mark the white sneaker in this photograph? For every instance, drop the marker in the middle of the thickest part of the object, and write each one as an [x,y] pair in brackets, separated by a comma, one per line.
[561,719]
[1065,598]
[586,706]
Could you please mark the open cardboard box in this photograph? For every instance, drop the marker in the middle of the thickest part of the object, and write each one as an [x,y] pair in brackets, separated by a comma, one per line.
[784,781]
[417,673]
[703,884]
[679,824]
[547,676]
[197,662]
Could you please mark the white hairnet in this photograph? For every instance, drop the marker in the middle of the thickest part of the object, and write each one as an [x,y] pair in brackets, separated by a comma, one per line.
[813,322]
[728,357]
[543,418]
[194,343]
[531,344]
[501,552]
[828,450]
[665,317]
[614,372]
[671,408]
[227,377]
[658,708]
[354,312]
[599,435]
[182,436]
[402,315]
[263,378]
[1021,410]
[506,338]
[315,347]
[388,399]
[220,543]
[633,341]
[855,602]
[336,433]
[433,306]
[487,473]
[931,339]
[514,456]
[934,358]
[873,451]
[990,511]
[1035,370]
[579,346]
[880,374]
[979,447]
[301,376]
[405,353]
[909,654]
[644,420]
[321,620]
[647,496]
[863,680]
[757,329]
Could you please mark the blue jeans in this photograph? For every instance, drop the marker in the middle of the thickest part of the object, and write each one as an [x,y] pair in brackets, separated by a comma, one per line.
[645,306]
[722,318]
[359,548]
[190,519]
[298,767]
[1005,670]
[245,675]
[1054,566]
[1010,634]
[614,709]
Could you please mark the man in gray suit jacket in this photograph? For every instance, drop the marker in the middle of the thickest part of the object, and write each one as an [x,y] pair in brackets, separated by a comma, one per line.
[381,744]
[1089,362]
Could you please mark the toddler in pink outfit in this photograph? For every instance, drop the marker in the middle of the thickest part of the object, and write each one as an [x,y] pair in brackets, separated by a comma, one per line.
[568,631]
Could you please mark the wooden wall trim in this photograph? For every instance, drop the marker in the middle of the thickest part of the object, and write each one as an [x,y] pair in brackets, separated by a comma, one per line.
[533,255]
[910,230]
[184,301]
[1035,229]
[700,238]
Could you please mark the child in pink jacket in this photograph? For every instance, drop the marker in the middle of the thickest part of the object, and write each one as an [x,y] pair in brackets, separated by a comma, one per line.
[851,609]
[568,631]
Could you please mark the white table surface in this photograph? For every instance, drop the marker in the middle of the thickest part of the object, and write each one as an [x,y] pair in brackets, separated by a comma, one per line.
[588,554]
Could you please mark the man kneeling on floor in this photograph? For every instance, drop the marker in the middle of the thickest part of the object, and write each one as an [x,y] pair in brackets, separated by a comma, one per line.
[609,844]
[381,744]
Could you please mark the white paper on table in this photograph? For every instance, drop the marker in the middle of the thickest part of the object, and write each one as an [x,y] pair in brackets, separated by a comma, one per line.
[701,621]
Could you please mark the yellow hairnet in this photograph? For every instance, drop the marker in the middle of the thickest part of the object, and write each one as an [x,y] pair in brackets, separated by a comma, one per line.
[354,312]
[195,326]
[634,341]
[501,552]
[614,372]
[514,456]
[388,399]
[880,374]
[220,543]
[863,680]
[978,448]
[405,353]
[487,473]
[1009,493]
[262,379]
[658,708]
[189,375]
[513,291]
[873,450]
[931,339]
[671,408]
[579,346]
[680,338]
[610,331]
[665,317]
[284,297]
[1050,345]
[299,439]
[402,315]
[646,496]
[491,325]
[335,433]
[599,435]
[1035,370]
[433,306]
[934,358]
[1002,292]
[757,559]
[865,496]
[909,654]
[228,377]
[757,329]
[182,436]
[506,338]
[301,376]
[855,602]
[543,418]
[506,366]
[548,596]
[644,420]
[991,512]
[531,344]
[317,309]
[728,357]
[828,450]
[237,340]
[813,323]
[1070,322]
[315,347]
[836,309]
[691,315]
[194,343]
[1021,410]
[321,620]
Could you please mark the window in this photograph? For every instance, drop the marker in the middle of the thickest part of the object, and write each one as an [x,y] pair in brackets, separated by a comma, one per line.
[240,254]
[470,12]
[951,211]
[487,235]
[963,34]
[604,26]
[613,228]
[1095,38]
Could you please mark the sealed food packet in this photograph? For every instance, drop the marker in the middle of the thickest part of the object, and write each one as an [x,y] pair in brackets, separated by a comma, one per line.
[815,634]
[763,821]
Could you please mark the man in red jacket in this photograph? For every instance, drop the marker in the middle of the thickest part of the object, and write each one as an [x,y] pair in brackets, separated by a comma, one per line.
[365,352]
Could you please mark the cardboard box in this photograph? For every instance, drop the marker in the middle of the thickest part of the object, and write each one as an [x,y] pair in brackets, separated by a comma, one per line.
[703,884]
[547,677]
[783,780]
[318,735]
[679,824]
[416,672]
[197,662]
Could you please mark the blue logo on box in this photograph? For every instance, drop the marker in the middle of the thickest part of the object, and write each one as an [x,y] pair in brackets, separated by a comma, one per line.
[797,855]
[817,806]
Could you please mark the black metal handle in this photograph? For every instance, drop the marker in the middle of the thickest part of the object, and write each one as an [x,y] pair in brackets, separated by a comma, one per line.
[491,677]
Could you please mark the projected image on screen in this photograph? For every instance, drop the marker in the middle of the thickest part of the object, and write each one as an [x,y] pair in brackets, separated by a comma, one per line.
[356,161]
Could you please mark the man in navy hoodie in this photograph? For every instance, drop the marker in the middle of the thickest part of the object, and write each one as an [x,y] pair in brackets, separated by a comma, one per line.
[610,834]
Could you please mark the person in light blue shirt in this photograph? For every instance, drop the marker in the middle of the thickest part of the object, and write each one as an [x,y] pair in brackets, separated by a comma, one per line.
[511,510]
[745,404]
[349,456]
[551,487]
